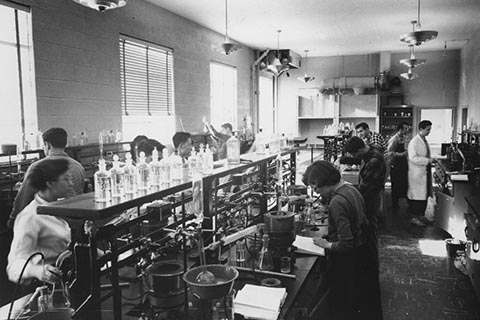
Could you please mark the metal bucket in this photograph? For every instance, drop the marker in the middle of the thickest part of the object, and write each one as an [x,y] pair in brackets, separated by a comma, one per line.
[164,284]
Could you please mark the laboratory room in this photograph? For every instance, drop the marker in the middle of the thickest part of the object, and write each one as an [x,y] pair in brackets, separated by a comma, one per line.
[239,159]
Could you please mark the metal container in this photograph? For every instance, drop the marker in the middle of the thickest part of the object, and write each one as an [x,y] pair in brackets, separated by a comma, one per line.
[224,278]
[164,284]
[279,223]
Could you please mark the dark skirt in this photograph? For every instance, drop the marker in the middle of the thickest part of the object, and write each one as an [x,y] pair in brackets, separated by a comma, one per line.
[354,284]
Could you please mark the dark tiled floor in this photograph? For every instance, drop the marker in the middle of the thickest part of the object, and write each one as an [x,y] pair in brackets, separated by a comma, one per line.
[416,285]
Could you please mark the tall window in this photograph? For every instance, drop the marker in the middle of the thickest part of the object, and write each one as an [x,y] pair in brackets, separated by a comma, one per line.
[265,104]
[147,90]
[17,87]
[223,94]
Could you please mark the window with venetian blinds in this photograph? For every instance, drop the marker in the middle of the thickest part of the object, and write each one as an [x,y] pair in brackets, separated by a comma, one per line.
[146,78]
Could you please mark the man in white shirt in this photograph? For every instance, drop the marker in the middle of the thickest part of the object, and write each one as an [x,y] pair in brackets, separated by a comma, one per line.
[419,173]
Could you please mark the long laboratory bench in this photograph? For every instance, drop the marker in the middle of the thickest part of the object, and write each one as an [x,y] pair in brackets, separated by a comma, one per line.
[254,169]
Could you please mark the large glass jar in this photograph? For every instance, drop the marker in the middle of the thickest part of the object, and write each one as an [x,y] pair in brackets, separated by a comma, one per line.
[233,150]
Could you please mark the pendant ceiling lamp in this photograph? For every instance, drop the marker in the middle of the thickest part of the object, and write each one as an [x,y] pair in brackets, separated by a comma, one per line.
[306,78]
[276,66]
[418,36]
[102,5]
[410,75]
[412,62]
[227,46]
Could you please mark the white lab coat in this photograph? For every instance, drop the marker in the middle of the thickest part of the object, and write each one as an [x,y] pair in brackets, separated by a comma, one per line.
[417,169]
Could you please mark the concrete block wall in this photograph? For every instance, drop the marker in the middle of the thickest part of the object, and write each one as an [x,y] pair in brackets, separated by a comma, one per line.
[77,63]
[470,80]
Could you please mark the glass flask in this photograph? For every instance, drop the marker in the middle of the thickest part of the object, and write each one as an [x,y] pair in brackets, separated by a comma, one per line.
[143,173]
[155,171]
[233,150]
[102,183]
[265,261]
[130,175]
[117,175]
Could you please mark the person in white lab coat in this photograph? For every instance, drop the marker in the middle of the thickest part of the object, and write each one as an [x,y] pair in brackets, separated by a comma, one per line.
[419,173]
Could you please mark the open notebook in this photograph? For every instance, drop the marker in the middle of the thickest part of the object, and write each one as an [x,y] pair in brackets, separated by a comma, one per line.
[305,245]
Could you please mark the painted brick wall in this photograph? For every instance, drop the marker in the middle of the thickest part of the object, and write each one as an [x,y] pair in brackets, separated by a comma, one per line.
[470,79]
[78,69]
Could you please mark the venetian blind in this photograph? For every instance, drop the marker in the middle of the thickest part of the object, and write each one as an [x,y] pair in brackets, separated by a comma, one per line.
[146,78]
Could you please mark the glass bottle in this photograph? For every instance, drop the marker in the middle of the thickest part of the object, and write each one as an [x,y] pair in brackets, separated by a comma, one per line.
[309,213]
[130,175]
[143,171]
[165,177]
[118,179]
[102,182]
[274,145]
[83,138]
[265,261]
[208,161]
[192,164]
[233,150]
[155,171]
[176,167]
[260,143]
[283,142]
[200,158]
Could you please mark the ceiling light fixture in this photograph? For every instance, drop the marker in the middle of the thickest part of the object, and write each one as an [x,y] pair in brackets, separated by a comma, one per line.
[418,36]
[227,47]
[412,62]
[306,78]
[276,66]
[102,5]
[409,75]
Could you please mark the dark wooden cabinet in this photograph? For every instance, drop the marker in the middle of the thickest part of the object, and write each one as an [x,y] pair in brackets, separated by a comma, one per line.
[392,112]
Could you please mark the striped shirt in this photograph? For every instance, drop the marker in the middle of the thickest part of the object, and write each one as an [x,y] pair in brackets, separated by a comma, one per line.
[26,192]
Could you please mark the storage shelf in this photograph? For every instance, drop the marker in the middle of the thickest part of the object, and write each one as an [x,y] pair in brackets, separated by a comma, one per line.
[358,117]
[396,117]
[313,118]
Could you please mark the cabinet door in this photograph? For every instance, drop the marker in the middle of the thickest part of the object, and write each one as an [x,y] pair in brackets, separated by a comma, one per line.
[361,106]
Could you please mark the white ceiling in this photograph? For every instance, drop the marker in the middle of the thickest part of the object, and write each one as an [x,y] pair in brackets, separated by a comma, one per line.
[333,27]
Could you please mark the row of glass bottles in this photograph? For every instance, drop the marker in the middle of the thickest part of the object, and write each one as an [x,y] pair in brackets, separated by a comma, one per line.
[265,144]
[154,176]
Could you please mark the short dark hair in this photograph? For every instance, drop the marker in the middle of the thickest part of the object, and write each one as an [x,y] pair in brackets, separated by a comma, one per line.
[353,144]
[57,137]
[362,125]
[134,144]
[320,174]
[424,123]
[179,138]
[45,171]
[227,126]
[148,145]
[401,125]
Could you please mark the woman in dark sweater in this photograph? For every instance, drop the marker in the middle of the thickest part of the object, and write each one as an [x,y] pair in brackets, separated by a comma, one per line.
[352,263]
